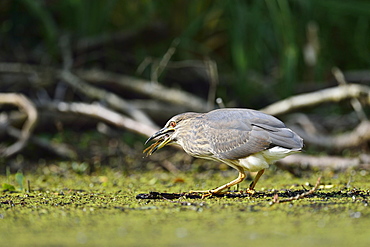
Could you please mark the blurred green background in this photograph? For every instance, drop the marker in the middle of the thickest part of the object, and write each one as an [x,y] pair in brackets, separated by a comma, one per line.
[264,50]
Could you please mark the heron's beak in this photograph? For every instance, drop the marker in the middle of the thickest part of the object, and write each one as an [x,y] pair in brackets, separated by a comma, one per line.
[162,141]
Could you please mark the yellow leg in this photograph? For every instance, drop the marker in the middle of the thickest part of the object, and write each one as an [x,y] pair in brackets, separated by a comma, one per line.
[219,190]
[251,186]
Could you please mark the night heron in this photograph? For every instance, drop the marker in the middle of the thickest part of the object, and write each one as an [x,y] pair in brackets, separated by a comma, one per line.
[247,140]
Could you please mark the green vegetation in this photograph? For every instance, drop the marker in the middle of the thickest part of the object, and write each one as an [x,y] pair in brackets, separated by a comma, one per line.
[101,210]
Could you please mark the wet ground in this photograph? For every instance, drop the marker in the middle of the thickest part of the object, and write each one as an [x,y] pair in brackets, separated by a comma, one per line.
[153,209]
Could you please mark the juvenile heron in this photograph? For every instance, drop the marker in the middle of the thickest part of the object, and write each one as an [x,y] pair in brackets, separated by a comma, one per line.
[247,140]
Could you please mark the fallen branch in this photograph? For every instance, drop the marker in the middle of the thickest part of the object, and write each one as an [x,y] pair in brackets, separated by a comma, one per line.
[354,138]
[26,106]
[133,84]
[34,76]
[298,163]
[112,99]
[356,104]
[276,199]
[147,88]
[91,110]
[335,94]
[60,149]
[104,114]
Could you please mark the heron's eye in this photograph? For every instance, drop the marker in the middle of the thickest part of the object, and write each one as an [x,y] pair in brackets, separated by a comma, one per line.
[173,124]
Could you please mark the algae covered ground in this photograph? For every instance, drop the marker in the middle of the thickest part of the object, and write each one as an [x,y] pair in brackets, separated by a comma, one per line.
[55,208]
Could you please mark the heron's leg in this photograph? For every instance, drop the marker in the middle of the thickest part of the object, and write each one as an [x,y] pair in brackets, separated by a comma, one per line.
[239,179]
[219,190]
[259,174]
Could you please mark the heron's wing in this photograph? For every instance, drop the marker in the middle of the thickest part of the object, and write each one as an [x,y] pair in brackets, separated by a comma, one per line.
[237,134]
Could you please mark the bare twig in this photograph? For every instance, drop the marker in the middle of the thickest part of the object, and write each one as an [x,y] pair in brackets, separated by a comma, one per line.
[159,68]
[213,78]
[65,46]
[309,126]
[276,199]
[143,65]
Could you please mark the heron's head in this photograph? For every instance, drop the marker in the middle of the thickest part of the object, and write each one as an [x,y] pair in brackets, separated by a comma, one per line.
[170,132]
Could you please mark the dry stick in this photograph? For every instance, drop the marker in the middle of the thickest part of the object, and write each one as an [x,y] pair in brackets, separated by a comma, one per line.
[334,94]
[111,98]
[298,162]
[143,65]
[306,123]
[338,74]
[174,96]
[276,200]
[146,88]
[27,106]
[213,78]
[159,68]
[177,97]
[105,114]
[64,43]
[129,83]
[359,135]
[36,76]
[59,149]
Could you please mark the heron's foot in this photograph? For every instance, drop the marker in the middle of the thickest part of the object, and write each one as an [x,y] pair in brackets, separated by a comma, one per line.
[250,191]
[199,191]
